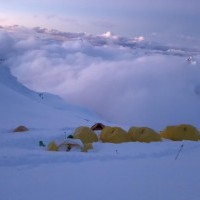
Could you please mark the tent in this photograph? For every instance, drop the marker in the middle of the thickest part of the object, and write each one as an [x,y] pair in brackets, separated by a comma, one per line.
[114,135]
[70,144]
[87,146]
[143,134]
[180,132]
[97,127]
[52,146]
[85,134]
[21,129]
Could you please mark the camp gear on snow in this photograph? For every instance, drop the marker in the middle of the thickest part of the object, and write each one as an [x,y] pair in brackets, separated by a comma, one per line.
[41,143]
[179,151]
[70,136]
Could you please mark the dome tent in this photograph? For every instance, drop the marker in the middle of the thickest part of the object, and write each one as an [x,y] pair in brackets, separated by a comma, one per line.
[85,134]
[114,135]
[98,126]
[21,129]
[143,134]
[70,143]
[52,146]
[181,132]
[87,147]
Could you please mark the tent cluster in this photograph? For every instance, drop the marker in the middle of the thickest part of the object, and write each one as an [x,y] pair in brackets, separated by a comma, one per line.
[145,134]
[134,134]
[83,137]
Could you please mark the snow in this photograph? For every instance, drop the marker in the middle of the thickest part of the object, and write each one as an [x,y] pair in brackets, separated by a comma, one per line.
[109,171]
[23,106]
[133,170]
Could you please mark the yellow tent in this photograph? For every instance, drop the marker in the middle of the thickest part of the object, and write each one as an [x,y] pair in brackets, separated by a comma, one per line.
[114,135]
[85,134]
[143,134]
[52,146]
[87,146]
[180,132]
[71,143]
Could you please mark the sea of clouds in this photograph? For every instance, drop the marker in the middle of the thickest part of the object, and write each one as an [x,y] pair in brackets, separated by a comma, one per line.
[126,80]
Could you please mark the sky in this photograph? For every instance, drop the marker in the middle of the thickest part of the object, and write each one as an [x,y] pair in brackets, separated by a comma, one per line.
[123,17]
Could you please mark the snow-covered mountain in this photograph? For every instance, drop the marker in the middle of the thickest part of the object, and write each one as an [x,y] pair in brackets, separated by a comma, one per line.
[125,171]
[164,170]
[21,106]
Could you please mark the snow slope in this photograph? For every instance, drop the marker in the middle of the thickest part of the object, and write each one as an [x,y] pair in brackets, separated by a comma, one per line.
[20,105]
[109,171]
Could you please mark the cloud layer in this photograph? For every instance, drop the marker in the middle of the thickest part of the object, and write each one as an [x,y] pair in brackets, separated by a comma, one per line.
[126,80]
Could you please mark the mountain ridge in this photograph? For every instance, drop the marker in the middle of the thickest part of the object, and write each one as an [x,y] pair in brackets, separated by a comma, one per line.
[20,105]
